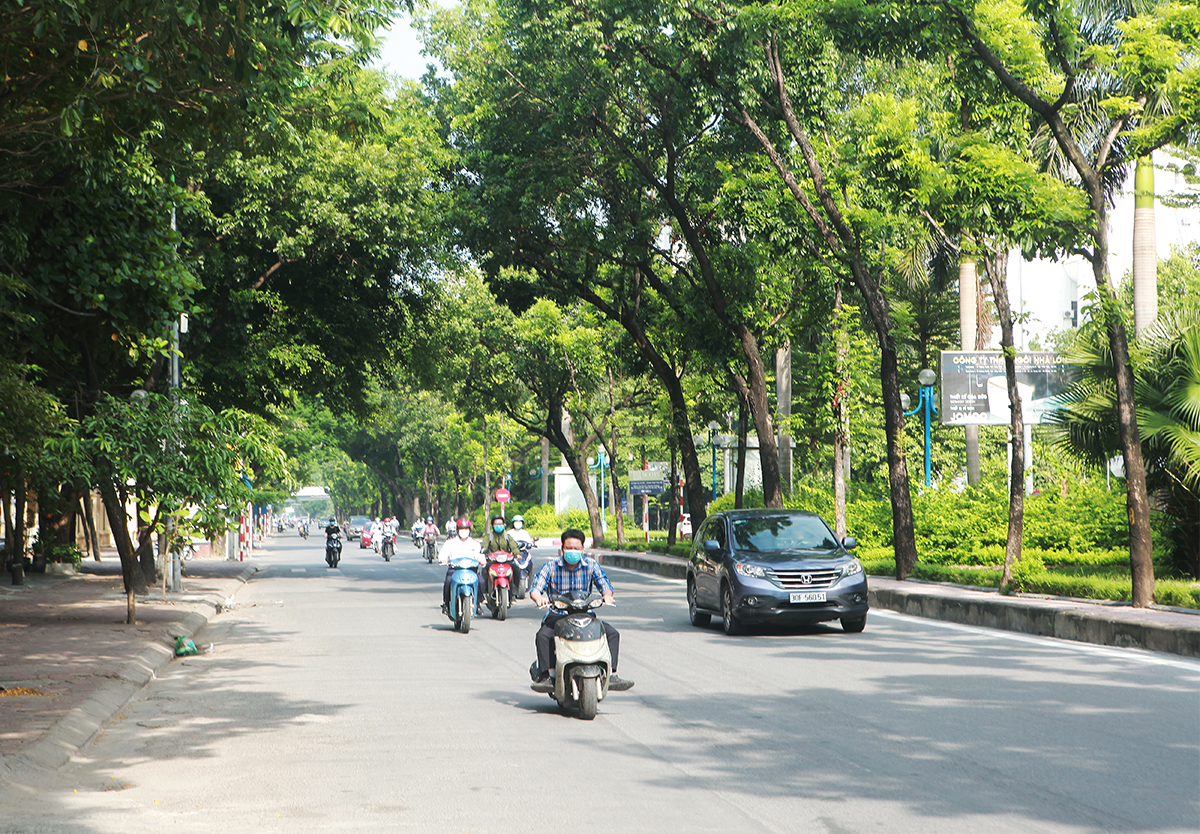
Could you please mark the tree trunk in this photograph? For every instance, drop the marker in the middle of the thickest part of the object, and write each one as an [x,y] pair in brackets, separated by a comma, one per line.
[673,521]
[545,471]
[841,414]
[89,517]
[614,493]
[114,507]
[487,478]
[760,412]
[783,403]
[998,273]
[1137,499]
[739,496]
[1145,247]
[578,467]
[968,290]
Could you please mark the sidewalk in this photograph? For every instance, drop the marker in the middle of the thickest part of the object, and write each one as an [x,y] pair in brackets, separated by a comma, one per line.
[1171,630]
[65,637]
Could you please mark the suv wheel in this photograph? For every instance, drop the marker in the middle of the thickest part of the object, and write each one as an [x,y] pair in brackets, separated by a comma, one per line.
[699,618]
[732,625]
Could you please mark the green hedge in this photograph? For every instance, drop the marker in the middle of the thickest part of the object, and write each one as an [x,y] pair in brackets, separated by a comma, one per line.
[970,527]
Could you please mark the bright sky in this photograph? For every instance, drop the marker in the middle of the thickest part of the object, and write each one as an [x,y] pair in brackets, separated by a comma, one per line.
[400,51]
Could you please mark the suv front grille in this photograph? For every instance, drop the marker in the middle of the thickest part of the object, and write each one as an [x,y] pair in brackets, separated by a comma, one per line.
[806,580]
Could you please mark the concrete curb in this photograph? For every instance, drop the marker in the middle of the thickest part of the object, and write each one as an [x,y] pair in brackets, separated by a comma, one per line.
[1083,626]
[80,725]
[669,570]
[1084,622]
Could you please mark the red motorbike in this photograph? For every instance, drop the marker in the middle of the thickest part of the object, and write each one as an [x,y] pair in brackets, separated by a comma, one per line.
[498,578]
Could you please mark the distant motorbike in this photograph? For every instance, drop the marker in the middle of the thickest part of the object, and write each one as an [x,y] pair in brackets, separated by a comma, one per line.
[430,545]
[388,545]
[462,592]
[582,662]
[304,531]
[524,565]
[333,550]
[498,578]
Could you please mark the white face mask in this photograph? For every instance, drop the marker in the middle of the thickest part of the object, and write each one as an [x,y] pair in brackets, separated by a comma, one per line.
[464,534]
[518,525]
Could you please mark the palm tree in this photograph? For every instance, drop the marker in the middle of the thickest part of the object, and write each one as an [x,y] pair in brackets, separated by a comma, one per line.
[1167,380]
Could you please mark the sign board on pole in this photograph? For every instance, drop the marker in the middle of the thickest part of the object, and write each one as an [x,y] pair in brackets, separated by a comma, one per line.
[975,391]
[647,482]
[502,495]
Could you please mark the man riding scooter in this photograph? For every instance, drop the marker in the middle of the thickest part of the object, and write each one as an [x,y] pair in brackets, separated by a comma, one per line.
[571,572]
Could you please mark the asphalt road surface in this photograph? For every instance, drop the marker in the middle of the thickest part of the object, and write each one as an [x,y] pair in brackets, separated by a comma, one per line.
[342,700]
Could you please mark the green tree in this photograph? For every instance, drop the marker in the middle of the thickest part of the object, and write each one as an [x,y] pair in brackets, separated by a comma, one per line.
[181,459]
[1042,56]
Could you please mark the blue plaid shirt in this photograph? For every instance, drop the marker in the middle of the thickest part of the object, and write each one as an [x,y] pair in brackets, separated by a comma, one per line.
[556,578]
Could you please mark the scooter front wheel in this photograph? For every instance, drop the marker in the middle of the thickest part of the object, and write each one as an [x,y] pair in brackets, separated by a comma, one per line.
[501,603]
[589,698]
[464,616]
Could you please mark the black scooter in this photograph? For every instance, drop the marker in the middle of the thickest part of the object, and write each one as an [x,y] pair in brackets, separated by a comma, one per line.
[333,549]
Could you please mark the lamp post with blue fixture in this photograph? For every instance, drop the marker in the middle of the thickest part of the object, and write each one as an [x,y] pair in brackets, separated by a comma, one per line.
[713,427]
[599,462]
[925,403]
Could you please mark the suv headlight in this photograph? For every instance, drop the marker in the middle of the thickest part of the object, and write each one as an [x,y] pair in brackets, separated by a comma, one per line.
[750,570]
[852,568]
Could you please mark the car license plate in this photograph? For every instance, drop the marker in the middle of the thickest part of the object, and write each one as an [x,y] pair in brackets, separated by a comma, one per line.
[808,596]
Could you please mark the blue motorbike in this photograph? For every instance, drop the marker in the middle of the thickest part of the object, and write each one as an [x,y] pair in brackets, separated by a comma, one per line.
[462,592]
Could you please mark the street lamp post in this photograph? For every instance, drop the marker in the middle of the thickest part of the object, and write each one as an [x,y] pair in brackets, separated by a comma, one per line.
[600,461]
[713,427]
[927,378]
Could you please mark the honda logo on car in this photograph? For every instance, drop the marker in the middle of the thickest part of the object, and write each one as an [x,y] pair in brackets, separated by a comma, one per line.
[806,579]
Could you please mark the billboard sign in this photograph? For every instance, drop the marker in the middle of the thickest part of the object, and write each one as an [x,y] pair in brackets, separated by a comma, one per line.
[975,391]
[647,482]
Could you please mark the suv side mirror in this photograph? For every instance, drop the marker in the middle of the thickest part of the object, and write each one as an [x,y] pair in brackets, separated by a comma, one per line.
[849,542]
[711,544]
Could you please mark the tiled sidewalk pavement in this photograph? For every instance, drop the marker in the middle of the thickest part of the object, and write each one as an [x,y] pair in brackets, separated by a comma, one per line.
[65,636]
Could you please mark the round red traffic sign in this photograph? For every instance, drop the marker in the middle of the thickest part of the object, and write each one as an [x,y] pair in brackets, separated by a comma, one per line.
[502,495]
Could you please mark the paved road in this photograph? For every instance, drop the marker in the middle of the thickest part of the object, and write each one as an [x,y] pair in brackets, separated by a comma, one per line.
[342,701]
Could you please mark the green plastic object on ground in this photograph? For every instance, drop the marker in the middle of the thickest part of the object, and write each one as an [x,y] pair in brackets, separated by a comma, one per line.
[184,647]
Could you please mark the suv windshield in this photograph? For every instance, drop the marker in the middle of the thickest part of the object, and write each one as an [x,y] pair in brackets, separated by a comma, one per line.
[764,533]
[359,521]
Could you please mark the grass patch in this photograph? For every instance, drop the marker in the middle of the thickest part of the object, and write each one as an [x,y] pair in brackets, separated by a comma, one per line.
[1101,575]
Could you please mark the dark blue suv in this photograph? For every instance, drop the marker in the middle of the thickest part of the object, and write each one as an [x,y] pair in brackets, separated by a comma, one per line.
[773,566]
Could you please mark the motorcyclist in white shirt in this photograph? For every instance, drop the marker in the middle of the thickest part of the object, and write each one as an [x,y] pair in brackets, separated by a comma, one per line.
[461,545]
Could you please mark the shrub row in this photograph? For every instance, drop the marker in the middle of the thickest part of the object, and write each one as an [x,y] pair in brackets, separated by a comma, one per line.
[970,527]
